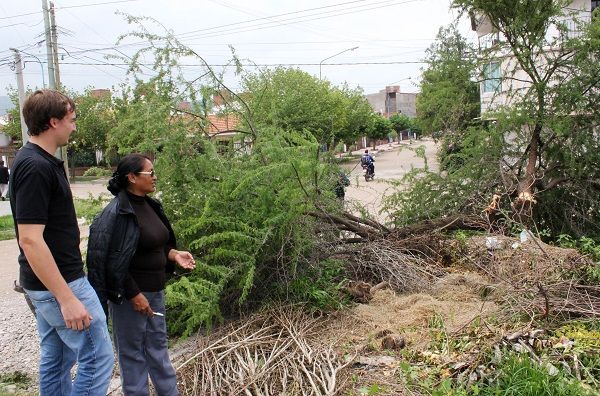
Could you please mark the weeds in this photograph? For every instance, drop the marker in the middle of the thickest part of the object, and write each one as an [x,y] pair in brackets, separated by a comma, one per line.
[7,228]
[518,375]
[90,207]
[590,273]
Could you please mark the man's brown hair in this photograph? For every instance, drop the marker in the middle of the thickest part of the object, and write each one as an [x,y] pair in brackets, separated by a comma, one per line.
[41,106]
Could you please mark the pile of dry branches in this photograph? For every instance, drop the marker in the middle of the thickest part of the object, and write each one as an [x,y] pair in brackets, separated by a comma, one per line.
[402,269]
[538,280]
[274,353]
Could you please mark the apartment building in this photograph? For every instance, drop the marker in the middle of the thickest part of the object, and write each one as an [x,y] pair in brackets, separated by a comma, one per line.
[502,80]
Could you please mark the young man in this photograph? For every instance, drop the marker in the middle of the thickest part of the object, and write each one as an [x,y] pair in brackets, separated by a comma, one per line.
[3,180]
[70,320]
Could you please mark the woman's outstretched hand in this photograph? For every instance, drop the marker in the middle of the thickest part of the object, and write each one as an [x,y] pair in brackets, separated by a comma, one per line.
[183,259]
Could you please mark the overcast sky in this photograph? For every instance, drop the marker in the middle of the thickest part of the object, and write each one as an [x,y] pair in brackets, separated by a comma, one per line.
[267,32]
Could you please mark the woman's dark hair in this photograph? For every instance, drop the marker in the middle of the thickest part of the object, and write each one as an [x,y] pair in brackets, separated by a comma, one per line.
[131,163]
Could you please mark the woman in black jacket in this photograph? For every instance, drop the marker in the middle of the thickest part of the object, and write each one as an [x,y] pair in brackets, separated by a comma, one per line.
[131,249]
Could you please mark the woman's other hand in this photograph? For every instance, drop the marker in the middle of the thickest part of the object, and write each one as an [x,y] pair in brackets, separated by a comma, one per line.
[141,305]
[183,259]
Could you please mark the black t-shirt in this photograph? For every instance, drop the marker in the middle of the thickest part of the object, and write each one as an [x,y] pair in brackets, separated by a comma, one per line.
[40,194]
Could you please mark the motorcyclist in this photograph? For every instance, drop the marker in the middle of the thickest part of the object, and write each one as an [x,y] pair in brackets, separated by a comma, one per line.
[368,162]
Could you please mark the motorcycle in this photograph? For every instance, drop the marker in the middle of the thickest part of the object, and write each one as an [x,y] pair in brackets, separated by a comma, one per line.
[369,172]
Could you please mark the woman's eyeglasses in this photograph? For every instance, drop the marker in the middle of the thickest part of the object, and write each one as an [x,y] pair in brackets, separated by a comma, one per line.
[151,173]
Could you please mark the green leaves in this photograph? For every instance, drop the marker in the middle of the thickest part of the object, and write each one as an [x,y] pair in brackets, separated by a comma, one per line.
[449,98]
[296,101]
[243,216]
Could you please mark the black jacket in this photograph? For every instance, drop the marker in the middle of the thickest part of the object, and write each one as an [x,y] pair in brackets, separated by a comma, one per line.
[113,241]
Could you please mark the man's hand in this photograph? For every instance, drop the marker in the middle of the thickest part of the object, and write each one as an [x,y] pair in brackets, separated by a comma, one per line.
[75,315]
[141,305]
[31,240]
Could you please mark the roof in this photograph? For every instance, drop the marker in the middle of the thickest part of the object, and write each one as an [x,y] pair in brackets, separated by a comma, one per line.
[221,123]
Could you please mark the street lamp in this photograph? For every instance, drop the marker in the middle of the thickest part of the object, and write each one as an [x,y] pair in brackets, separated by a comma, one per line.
[41,65]
[341,52]
[402,79]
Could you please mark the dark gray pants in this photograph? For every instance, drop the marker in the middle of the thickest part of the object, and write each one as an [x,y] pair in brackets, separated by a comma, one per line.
[141,344]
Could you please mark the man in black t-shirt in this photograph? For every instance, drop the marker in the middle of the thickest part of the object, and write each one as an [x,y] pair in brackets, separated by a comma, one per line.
[70,320]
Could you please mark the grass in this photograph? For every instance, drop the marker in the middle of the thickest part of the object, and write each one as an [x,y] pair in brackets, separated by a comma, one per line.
[19,380]
[7,228]
[520,376]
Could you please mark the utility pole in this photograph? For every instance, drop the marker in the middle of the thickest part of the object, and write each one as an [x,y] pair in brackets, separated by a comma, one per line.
[21,89]
[51,82]
[54,47]
[53,69]
[63,150]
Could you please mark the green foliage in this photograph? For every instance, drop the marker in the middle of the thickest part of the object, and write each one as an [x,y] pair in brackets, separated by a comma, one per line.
[402,122]
[144,115]
[97,171]
[589,273]
[424,194]
[244,217]
[320,287]
[7,228]
[89,208]
[381,128]
[449,98]
[374,389]
[95,118]
[18,378]
[294,100]
[13,127]
[521,376]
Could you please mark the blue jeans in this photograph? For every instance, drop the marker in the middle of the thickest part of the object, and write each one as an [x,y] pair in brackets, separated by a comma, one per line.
[61,347]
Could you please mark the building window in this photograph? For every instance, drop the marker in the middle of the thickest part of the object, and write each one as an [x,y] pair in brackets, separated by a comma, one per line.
[491,75]
[595,3]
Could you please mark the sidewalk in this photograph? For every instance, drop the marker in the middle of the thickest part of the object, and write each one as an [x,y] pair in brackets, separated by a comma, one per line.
[79,190]
[381,148]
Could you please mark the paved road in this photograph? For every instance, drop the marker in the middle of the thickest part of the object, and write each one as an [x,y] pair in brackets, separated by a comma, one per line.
[391,163]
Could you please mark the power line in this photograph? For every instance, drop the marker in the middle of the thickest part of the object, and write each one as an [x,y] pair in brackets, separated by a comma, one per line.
[299,19]
[269,17]
[254,64]
[95,4]
[75,6]
[20,15]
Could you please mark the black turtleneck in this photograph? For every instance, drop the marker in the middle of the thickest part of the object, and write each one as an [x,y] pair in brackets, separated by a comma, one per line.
[147,268]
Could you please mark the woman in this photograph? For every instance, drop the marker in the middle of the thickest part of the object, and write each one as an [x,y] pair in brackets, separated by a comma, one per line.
[131,249]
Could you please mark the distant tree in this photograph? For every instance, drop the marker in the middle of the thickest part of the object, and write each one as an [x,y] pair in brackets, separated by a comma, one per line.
[381,128]
[13,127]
[95,119]
[401,122]
[297,101]
[449,98]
